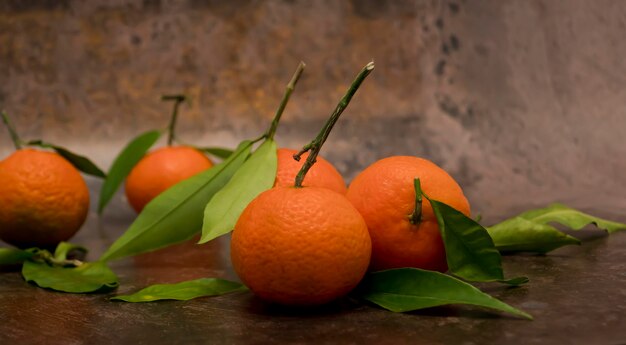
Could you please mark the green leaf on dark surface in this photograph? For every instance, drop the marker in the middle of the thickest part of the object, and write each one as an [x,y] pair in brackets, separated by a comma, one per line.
[88,277]
[408,289]
[124,163]
[11,256]
[65,250]
[176,214]
[571,218]
[183,291]
[470,251]
[522,235]
[256,175]
[81,163]
[218,152]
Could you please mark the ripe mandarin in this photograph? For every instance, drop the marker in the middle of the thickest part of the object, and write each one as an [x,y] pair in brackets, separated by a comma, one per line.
[44,199]
[300,246]
[384,194]
[161,169]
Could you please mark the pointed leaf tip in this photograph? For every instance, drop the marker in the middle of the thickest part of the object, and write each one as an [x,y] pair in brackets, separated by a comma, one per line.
[408,289]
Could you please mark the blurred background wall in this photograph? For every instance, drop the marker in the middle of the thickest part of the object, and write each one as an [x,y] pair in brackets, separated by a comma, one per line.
[523,102]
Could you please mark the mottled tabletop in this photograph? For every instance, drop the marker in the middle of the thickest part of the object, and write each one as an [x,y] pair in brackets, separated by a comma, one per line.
[577,295]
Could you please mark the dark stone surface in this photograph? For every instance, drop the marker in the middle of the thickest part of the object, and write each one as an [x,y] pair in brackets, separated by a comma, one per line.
[576,294]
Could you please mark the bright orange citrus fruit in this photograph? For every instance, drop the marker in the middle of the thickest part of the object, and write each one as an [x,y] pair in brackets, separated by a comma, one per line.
[300,246]
[384,194]
[43,199]
[322,174]
[161,169]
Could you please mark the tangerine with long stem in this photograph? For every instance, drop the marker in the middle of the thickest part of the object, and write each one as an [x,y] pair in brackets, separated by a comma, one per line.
[300,245]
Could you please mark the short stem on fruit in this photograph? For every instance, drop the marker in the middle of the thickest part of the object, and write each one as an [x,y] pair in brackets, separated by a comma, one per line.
[316,145]
[416,217]
[283,103]
[14,137]
[178,99]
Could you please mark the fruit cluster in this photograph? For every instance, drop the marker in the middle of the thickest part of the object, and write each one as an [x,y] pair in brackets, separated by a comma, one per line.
[300,237]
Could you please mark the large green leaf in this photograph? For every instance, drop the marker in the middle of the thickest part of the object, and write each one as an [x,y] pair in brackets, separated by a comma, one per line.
[176,214]
[407,289]
[530,231]
[256,175]
[183,291]
[470,251]
[522,235]
[124,163]
[81,163]
[88,277]
[10,256]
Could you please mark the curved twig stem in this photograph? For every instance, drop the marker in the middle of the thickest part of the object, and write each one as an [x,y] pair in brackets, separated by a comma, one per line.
[14,137]
[178,99]
[315,146]
[283,103]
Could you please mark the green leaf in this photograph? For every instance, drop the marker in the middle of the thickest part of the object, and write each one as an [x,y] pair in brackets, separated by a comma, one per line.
[176,214]
[81,163]
[10,256]
[65,249]
[124,163]
[569,217]
[256,175]
[88,277]
[530,231]
[183,291]
[470,251]
[218,152]
[522,235]
[408,289]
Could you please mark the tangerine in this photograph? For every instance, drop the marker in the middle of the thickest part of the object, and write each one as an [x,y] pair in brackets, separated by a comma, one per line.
[323,174]
[44,199]
[384,195]
[300,246]
[161,169]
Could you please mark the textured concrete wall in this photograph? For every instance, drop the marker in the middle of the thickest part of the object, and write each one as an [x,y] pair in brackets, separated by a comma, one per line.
[524,102]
